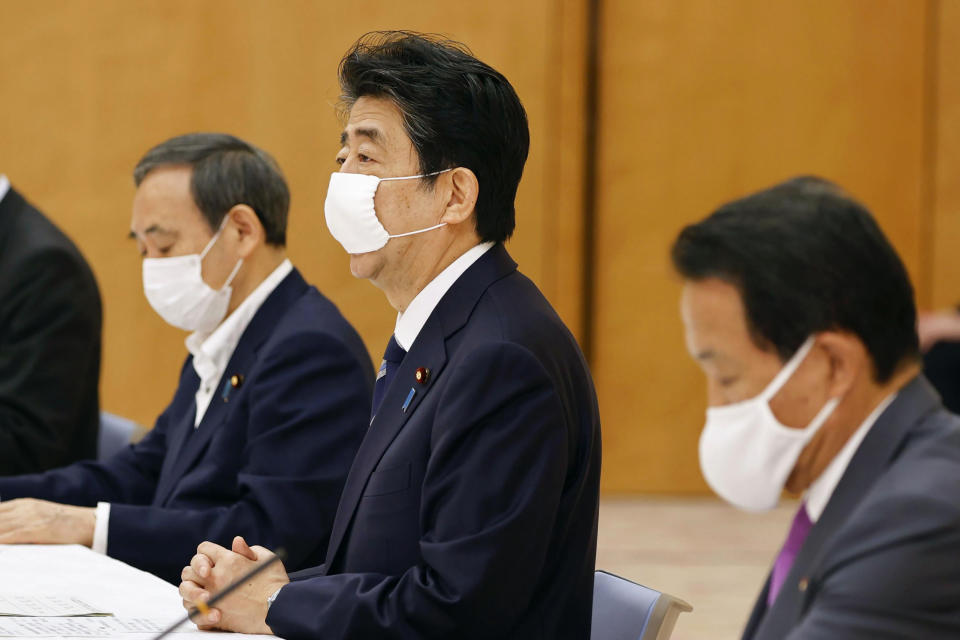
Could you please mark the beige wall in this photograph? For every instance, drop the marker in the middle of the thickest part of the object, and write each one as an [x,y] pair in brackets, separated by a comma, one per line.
[700,101]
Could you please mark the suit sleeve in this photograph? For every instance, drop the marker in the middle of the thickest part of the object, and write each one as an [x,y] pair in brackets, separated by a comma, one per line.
[899,576]
[490,498]
[50,341]
[308,410]
[130,476]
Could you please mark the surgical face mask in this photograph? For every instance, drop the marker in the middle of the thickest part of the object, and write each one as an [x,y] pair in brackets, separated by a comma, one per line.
[746,454]
[350,212]
[176,290]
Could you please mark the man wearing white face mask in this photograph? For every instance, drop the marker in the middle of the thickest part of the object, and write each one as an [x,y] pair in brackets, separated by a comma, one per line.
[273,400]
[471,509]
[801,315]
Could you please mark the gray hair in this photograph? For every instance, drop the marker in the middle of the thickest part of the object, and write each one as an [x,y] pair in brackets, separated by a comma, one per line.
[226,172]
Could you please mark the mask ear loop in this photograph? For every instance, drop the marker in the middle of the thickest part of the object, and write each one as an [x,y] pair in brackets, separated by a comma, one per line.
[781,379]
[216,236]
[788,370]
[413,233]
[822,416]
[423,175]
[209,246]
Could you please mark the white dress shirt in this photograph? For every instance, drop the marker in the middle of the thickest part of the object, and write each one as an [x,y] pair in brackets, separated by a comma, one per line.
[211,353]
[819,493]
[411,321]
[4,186]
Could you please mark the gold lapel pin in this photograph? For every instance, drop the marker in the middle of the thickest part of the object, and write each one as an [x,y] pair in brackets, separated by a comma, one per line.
[422,375]
[235,382]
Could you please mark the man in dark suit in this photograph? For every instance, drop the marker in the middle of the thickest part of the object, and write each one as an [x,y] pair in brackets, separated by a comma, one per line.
[273,400]
[802,317]
[50,321]
[471,509]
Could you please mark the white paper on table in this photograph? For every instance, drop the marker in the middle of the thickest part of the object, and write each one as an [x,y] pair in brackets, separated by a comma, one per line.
[39,570]
[46,605]
[75,627]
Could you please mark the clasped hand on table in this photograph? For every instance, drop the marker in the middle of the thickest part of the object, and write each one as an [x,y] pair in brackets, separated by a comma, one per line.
[214,568]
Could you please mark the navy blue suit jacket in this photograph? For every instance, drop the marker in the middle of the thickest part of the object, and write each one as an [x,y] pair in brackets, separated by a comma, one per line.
[268,460]
[883,560]
[471,508]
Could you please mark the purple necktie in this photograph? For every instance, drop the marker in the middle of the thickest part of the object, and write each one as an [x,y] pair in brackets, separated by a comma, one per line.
[798,533]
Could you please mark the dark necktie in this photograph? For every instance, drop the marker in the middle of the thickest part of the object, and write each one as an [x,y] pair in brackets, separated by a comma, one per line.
[392,357]
[791,547]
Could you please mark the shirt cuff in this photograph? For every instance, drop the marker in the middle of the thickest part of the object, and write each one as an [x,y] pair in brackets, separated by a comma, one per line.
[102,527]
[273,597]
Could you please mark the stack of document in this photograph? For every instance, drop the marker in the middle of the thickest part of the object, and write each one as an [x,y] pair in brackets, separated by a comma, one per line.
[48,616]
[50,606]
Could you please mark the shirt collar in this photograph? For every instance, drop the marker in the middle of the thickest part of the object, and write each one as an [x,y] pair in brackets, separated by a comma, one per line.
[4,186]
[411,321]
[211,351]
[819,493]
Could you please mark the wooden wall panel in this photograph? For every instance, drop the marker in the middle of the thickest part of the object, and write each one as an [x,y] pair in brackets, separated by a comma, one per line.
[87,87]
[700,102]
[704,101]
[945,226]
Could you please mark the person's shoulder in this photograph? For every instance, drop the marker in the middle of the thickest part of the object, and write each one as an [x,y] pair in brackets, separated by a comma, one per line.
[515,302]
[311,323]
[513,309]
[43,254]
[315,313]
[33,232]
[928,464]
[918,492]
[512,321]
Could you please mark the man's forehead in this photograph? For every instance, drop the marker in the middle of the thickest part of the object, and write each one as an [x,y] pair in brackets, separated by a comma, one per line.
[714,319]
[373,118]
[163,203]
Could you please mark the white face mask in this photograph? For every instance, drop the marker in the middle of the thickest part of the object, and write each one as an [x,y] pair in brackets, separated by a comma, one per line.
[175,289]
[746,454]
[350,212]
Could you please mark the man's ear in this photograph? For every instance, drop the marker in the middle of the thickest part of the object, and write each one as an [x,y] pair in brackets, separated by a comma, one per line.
[247,229]
[847,358]
[464,189]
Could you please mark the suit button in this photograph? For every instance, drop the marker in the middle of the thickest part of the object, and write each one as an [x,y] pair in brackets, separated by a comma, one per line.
[804,583]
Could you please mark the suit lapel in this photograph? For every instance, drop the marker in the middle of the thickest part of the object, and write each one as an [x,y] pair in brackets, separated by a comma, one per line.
[428,351]
[179,426]
[759,610]
[914,401]
[191,442]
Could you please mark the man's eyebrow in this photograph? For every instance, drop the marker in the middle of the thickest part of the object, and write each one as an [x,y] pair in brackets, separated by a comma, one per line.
[154,229]
[707,354]
[372,134]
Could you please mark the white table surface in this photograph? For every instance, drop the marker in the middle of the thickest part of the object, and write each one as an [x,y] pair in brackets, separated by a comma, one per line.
[100,580]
